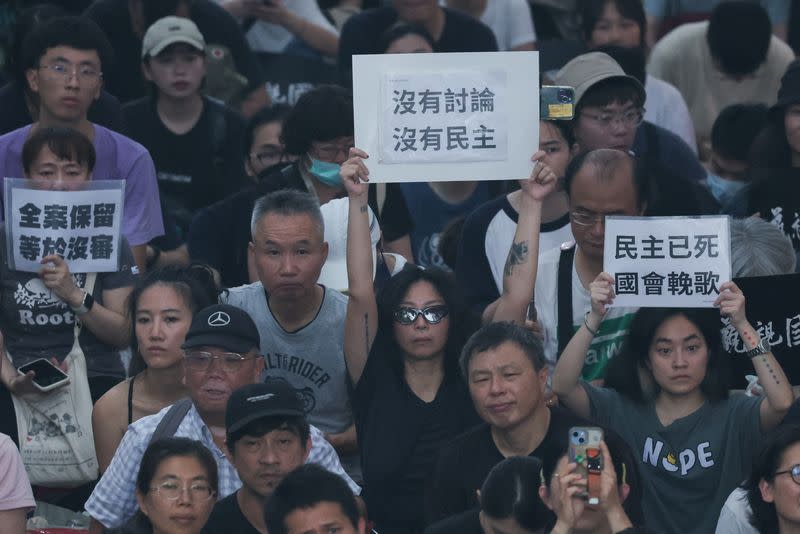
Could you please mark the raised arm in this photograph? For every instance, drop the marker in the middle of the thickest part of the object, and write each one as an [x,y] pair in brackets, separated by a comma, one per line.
[362,309]
[566,379]
[777,389]
[519,274]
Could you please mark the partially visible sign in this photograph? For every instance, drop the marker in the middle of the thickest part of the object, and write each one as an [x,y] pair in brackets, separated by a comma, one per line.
[667,261]
[774,312]
[81,226]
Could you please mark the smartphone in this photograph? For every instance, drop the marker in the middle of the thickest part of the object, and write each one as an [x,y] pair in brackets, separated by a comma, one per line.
[556,102]
[584,450]
[48,376]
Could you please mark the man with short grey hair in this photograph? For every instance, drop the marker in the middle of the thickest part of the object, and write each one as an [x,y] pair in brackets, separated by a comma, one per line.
[300,321]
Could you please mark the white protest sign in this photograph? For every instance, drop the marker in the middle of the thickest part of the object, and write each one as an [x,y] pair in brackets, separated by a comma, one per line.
[440,117]
[83,227]
[667,261]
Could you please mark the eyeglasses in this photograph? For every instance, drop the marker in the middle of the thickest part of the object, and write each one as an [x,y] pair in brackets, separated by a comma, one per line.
[633,117]
[794,471]
[432,314]
[587,218]
[329,151]
[267,155]
[84,73]
[230,362]
[172,491]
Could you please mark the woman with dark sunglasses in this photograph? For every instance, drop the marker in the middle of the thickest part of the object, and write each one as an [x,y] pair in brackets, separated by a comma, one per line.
[402,354]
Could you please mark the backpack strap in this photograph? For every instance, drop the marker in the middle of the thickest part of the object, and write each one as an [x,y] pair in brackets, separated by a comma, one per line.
[172,419]
[564,288]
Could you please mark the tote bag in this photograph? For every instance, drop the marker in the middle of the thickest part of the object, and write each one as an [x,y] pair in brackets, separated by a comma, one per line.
[56,441]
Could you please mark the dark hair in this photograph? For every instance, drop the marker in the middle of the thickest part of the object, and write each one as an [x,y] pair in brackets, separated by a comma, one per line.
[625,466]
[65,143]
[166,448]
[770,149]
[26,21]
[632,60]
[493,335]
[592,10]
[462,322]
[80,33]
[194,284]
[287,202]
[511,491]
[306,487]
[274,113]
[735,129]
[627,370]
[606,161]
[449,240]
[153,10]
[611,90]
[400,30]
[739,34]
[255,429]
[763,515]
[565,129]
[321,114]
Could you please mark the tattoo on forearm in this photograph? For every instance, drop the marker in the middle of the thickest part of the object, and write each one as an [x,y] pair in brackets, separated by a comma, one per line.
[770,369]
[516,256]
[363,208]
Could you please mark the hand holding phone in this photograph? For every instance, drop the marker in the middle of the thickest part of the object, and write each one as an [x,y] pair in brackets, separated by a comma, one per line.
[46,376]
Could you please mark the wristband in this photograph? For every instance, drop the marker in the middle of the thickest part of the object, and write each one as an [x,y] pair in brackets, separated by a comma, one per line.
[586,324]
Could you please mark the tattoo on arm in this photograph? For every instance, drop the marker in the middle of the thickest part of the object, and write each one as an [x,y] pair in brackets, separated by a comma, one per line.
[516,256]
[363,208]
[770,369]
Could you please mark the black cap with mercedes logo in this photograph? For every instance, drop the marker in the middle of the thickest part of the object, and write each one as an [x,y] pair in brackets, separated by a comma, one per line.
[224,326]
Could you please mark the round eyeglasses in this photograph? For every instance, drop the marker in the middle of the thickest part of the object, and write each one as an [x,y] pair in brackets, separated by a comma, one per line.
[172,491]
[432,314]
[794,471]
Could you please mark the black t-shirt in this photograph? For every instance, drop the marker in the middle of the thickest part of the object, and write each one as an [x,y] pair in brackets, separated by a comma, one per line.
[228,517]
[105,111]
[220,234]
[400,436]
[362,33]
[465,462]
[194,169]
[124,78]
[466,523]
[775,196]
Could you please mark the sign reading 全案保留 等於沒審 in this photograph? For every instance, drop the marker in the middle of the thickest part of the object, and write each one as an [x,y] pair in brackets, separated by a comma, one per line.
[439,117]
[82,226]
[667,261]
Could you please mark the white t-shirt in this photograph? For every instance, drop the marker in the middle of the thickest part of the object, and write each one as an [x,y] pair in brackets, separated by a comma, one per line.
[266,37]
[666,107]
[734,517]
[611,333]
[511,21]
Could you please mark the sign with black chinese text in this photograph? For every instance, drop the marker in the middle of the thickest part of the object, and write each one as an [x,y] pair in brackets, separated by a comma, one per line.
[82,226]
[667,261]
[774,311]
[439,117]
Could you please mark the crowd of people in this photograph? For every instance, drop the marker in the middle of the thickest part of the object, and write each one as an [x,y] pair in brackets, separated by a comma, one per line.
[287,347]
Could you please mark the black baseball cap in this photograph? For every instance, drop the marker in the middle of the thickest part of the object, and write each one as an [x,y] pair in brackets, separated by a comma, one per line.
[249,403]
[225,326]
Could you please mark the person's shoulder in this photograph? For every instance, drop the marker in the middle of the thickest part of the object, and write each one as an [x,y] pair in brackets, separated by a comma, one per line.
[246,289]
[336,298]
[15,137]
[135,108]
[112,401]
[484,213]
[662,88]
[453,16]
[210,15]
[123,143]
[6,444]
[369,17]
[780,52]
[467,442]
